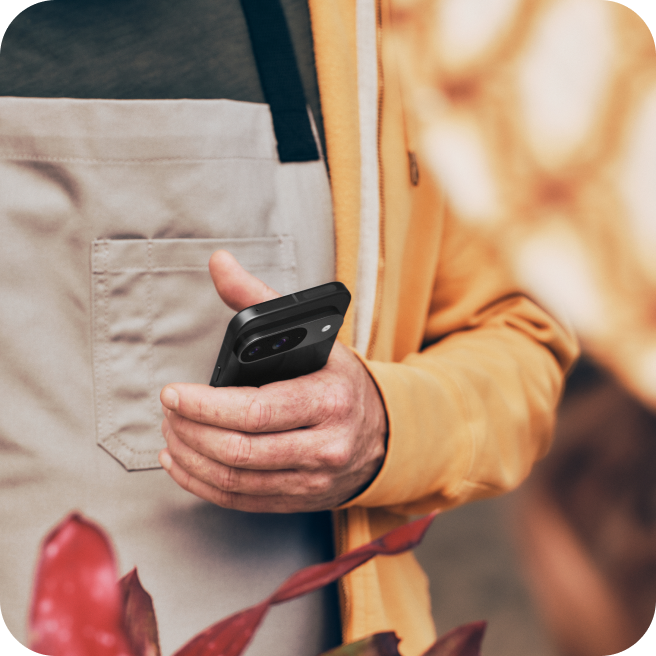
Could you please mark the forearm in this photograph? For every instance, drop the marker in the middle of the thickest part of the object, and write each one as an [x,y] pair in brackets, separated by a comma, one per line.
[469,415]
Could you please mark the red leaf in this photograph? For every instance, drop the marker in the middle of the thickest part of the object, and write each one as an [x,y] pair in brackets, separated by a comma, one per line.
[380,644]
[311,578]
[76,604]
[230,636]
[139,616]
[462,641]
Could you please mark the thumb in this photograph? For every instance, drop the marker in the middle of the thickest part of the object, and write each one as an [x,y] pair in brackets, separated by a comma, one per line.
[237,288]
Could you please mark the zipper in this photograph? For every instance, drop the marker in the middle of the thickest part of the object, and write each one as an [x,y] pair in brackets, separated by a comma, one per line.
[413,167]
[341,516]
[381,196]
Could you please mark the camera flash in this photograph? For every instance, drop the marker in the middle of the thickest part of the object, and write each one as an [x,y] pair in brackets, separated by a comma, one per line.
[325,328]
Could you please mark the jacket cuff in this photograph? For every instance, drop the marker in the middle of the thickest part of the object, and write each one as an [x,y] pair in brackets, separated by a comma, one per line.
[412,400]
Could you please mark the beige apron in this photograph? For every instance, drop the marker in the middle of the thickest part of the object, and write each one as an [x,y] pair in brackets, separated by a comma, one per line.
[109,211]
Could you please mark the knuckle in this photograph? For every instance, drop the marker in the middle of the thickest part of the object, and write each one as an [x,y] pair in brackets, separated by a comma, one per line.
[338,401]
[309,485]
[229,480]
[237,450]
[178,426]
[188,432]
[206,409]
[335,456]
[257,415]
[226,499]
[319,484]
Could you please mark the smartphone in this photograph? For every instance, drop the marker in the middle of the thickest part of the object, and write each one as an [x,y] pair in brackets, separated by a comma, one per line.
[283,338]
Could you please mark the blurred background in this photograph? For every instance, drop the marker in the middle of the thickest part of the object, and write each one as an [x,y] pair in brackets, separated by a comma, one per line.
[539,119]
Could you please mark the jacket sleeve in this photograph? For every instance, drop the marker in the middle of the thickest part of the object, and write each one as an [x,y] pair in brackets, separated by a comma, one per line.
[474,408]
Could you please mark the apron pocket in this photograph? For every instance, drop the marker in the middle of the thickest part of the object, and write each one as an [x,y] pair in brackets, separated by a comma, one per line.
[157,319]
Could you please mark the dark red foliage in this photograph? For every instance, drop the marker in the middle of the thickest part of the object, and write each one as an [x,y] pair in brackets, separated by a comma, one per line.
[76,603]
[139,618]
[311,578]
[78,608]
[230,636]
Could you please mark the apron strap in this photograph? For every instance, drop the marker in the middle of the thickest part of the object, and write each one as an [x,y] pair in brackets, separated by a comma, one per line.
[280,79]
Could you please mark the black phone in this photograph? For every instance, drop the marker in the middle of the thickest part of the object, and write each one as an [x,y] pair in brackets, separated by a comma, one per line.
[283,338]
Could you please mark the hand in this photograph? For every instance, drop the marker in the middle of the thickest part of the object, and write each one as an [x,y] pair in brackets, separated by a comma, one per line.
[299,445]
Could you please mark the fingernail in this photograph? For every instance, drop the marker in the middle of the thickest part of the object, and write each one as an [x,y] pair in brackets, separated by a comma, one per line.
[170,398]
[165,459]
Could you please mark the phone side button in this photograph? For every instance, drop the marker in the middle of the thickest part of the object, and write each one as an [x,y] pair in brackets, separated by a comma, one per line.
[215,377]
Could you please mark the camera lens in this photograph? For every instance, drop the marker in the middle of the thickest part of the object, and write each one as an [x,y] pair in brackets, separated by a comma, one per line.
[281,342]
[273,346]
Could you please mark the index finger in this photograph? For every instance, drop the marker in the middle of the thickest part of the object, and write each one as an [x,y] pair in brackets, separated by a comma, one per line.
[282,406]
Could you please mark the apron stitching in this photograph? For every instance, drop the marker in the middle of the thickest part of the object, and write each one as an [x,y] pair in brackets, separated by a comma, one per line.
[145,454]
[105,286]
[149,330]
[97,298]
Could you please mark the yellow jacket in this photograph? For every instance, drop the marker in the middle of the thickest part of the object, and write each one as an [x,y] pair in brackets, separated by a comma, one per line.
[470,369]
